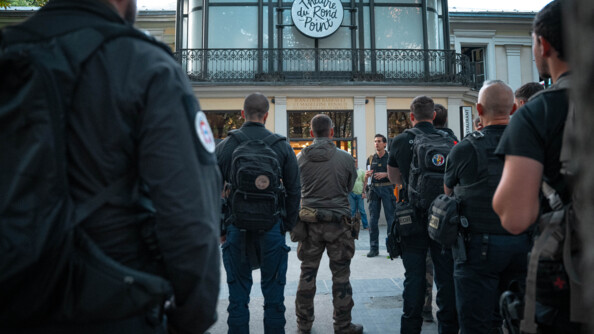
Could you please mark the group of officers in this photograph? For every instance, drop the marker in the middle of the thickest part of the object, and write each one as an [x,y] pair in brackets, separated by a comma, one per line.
[148,137]
[496,176]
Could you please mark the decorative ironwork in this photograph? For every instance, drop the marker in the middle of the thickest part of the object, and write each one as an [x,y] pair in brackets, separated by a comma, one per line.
[327,65]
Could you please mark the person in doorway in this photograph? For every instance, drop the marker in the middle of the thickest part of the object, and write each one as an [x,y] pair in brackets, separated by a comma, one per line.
[357,197]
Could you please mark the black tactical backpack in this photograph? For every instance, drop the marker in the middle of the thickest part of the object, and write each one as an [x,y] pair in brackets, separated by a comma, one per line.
[427,167]
[50,270]
[257,193]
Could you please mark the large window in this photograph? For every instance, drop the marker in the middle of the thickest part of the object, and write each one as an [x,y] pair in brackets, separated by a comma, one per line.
[398,121]
[221,122]
[299,129]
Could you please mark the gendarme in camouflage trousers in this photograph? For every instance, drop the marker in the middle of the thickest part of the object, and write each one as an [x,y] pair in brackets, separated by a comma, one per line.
[337,239]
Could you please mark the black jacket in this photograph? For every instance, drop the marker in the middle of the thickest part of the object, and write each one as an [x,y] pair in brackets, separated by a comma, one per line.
[131,116]
[288,164]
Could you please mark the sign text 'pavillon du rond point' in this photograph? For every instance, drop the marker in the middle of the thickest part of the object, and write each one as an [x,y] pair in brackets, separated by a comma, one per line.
[317,18]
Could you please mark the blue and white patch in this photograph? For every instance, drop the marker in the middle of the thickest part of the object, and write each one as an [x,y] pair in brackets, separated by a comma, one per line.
[204,132]
[438,160]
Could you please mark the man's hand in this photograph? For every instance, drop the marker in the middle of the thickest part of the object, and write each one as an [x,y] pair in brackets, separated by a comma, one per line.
[368,173]
[363,194]
[223,239]
[379,176]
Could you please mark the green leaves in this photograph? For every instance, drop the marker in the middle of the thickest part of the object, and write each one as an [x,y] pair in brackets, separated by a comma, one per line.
[22,3]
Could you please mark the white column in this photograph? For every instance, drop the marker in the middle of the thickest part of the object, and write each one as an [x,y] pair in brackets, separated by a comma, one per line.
[381,115]
[535,74]
[454,104]
[514,66]
[280,115]
[359,130]
[491,71]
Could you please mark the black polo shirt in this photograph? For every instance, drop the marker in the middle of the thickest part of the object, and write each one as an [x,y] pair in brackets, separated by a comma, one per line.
[379,165]
[536,132]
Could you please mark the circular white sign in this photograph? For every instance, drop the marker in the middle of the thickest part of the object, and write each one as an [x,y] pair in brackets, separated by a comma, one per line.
[204,132]
[317,18]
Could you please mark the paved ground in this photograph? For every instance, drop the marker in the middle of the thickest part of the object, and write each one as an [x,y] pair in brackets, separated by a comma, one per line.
[377,292]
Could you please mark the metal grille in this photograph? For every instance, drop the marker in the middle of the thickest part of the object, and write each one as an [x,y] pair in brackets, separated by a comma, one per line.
[326,65]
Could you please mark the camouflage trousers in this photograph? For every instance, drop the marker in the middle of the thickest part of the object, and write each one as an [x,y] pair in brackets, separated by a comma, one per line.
[336,238]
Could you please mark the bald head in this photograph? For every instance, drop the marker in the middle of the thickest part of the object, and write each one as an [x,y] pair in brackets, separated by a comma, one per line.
[496,99]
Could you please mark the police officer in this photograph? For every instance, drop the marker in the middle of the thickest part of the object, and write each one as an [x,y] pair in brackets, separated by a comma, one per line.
[532,148]
[270,245]
[380,190]
[441,121]
[129,116]
[494,256]
[327,176]
[415,247]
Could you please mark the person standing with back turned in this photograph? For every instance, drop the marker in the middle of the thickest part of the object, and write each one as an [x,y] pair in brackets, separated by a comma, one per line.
[416,244]
[532,146]
[264,246]
[132,114]
[327,176]
[495,258]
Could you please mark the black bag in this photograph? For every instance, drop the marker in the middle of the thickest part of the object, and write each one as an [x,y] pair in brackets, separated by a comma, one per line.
[427,166]
[257,192]
[444,220]
[405,220]
[49,269]
[393,242]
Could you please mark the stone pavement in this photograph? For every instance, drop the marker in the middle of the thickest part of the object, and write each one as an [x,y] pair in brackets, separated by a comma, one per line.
[377,292]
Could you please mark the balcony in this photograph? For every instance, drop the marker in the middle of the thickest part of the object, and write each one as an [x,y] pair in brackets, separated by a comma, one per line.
[334,66]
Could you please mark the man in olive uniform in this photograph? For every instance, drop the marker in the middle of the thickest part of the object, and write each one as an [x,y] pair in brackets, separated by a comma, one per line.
[327,177]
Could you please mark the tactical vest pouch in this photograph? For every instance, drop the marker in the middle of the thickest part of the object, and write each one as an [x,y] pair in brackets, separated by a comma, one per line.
[354,223]
[299,232]
[308,215]
[444,220]
[393,243]
[405,219]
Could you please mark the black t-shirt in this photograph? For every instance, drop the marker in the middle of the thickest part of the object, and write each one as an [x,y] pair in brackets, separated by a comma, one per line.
[536,132]
[401,153]
[379,165]
[462,162]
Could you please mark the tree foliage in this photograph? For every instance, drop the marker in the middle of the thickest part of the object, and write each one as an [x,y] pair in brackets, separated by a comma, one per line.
[22,3]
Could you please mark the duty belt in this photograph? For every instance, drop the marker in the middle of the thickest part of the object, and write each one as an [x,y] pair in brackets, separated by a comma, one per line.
[381,184]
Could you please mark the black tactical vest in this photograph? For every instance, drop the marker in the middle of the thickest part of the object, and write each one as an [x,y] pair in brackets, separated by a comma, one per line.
[477,197]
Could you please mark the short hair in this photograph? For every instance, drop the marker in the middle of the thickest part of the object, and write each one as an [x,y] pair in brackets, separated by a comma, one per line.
[379,135]
[255,106]
[441,116]
[422,107]
[321,125]
[527,90]
[495,102]
[548,23]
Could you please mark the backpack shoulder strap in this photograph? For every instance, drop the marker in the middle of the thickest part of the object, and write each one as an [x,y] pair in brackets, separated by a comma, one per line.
[414,131]
[483,162]
[238,135]
[273,138]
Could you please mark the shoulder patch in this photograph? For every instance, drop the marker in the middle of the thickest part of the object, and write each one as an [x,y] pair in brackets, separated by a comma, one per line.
[204,132]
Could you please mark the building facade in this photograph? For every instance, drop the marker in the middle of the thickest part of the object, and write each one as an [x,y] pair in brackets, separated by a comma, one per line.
[361,62]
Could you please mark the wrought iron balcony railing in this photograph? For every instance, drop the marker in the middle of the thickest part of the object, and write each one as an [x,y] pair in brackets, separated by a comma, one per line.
[326,65]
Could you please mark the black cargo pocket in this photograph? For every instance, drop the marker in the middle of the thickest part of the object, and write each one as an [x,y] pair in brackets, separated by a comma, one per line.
[228,262]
